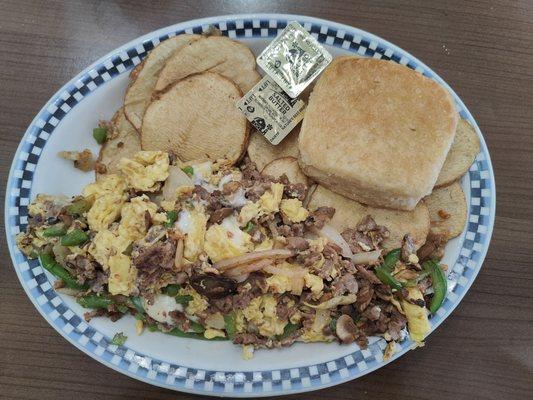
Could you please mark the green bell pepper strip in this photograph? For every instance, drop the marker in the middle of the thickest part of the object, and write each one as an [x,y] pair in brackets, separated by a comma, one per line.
[440,285]
[183,299]
[55,231]
[287,330]
[172,216]
[196,327]
[74,238]
[51,265]
[230,325]
[78,207]
[188,170]
[119,339]
[94,301]
[384,271]
[136,301]
[171,290]
[100,135]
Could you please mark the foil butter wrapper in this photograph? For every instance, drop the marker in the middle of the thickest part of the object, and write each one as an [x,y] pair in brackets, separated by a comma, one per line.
[270,110]
[294,59]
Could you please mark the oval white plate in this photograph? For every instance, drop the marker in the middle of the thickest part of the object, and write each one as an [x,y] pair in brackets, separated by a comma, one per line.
[66,123]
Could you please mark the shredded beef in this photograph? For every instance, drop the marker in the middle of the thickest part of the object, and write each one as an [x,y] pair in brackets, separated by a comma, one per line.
[408,247]
[363,273]
[295,190]
[231,187]
[358,241]
[158,256]
[433,248]
[220,214]
[297,243]
[367,224]
[364,296]
[320,217]
[308,258]
[345,284]
[249,338]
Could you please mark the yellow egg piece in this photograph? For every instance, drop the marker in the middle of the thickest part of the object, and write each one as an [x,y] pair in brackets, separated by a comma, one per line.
[105,210]
[132,222]
[226,240]
[145,170]
[293,210]
[417,317]
[122,275]
[271,199]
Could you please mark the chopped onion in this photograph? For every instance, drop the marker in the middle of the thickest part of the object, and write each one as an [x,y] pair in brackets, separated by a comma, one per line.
[251,257]
[331,234]
[334,302]
[176,178]
[368,257]
[178,258]
[292,272]
[248,268]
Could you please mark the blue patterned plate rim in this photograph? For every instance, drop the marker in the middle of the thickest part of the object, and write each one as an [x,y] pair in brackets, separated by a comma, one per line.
[474,241]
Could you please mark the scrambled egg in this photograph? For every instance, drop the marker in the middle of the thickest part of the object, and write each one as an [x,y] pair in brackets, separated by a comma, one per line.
[192,223]
[240,326]
[279,283]
[202,172]
[40,204]
[109,183]
[105,244]
[266,244]
[198,304]
[108,195]
[314,283]
[248,212]
[293,210]
[271,199]
[317,245]
[262,312]
[211,333]
[226,240]
[145,170]
[417,317]
[247,352]
[105,210]
[132,223]
[122,275]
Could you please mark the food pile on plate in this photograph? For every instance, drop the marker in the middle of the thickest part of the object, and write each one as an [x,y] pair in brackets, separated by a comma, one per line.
[202,229]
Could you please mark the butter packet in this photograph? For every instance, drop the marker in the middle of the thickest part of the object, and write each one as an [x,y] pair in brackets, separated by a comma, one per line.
[270,110]
[293,59]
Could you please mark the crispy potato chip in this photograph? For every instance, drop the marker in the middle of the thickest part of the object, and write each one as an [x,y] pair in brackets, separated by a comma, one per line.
[461,155]
[144,76]
[447,211]
[261,152]
[219,54]
[124,141]
[197,118]
[288,166]
[348,213]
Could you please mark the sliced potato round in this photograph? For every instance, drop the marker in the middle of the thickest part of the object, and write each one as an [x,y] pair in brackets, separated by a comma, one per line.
[261,152]
[288,166]
[144,76]
[461,155]
[216,54]
[124,141]
[197,118]
[348,213]
[447,210]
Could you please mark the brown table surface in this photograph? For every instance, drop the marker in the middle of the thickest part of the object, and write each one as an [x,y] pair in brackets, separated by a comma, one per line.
[483,49]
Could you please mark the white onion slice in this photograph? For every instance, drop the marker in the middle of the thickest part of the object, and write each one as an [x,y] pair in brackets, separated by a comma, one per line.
[367,257]
[251,257]
[332,235]
[334,302]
